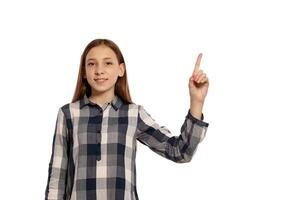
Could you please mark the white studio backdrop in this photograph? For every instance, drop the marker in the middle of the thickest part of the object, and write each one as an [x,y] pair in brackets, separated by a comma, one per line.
[250,54]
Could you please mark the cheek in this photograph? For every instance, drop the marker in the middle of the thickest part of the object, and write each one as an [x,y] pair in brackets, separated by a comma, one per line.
[88,71]
[112,72]
[113,76]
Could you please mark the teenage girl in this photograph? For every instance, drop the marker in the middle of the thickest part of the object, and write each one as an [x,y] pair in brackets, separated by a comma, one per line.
[94,143]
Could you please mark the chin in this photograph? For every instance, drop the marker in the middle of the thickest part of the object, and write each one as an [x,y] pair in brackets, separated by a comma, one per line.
[101,89]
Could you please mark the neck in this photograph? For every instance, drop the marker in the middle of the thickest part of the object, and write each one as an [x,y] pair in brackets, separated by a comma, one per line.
[102,98]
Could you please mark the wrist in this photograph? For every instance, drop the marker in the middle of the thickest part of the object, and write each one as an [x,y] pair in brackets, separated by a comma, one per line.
[196,104]
[196,109]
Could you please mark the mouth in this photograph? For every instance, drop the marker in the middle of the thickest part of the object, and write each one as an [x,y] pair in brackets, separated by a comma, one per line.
[100,80]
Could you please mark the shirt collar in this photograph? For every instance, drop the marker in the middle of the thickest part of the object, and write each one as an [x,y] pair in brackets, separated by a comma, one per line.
[116,102]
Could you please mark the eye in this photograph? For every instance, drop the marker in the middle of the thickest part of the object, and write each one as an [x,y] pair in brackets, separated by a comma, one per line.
[109,63]
[91,64]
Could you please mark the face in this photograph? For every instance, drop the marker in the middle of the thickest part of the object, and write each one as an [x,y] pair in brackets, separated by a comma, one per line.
[102,69]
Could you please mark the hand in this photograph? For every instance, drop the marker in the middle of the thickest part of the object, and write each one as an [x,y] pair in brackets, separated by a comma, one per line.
[198,83]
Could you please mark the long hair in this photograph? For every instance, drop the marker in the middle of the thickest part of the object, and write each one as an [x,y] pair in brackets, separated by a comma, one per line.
[83,87]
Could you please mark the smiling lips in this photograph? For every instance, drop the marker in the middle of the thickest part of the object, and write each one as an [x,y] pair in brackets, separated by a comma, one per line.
[100,80]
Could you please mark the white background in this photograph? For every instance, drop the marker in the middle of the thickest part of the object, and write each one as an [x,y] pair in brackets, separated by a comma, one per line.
[250,53]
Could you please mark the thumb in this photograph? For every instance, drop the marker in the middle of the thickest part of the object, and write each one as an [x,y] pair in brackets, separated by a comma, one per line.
[191,81]
[191,78]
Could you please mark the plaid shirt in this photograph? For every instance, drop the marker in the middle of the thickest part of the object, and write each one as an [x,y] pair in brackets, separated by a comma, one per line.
[101,164]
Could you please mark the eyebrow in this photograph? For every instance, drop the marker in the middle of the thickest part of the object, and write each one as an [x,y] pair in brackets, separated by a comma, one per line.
[106,58]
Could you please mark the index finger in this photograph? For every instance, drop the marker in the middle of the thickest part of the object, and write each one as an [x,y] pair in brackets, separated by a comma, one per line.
[197,65]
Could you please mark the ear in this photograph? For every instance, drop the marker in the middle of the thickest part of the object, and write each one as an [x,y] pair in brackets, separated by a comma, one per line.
[122,69]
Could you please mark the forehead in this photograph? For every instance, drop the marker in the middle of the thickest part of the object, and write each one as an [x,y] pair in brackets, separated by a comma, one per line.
[101,52]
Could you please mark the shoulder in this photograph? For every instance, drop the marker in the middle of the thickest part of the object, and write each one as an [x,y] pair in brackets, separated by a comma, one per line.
[134,106]
[69,105]
[142,111]
[131,107]
[69,108]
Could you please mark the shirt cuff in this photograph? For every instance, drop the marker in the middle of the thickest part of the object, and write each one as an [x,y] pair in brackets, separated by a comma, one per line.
[195,120]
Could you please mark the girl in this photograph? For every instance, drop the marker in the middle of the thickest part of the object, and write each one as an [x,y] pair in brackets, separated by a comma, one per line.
[94,143]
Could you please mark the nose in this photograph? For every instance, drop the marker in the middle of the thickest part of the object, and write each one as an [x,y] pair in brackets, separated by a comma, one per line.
[99,70]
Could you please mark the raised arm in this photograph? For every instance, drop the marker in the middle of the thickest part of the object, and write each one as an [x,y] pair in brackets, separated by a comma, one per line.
[158,138]
[178,148]
[198,88]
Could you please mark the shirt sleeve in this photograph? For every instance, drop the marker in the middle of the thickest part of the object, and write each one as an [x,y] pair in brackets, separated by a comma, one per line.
[55,189]
[158,138]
